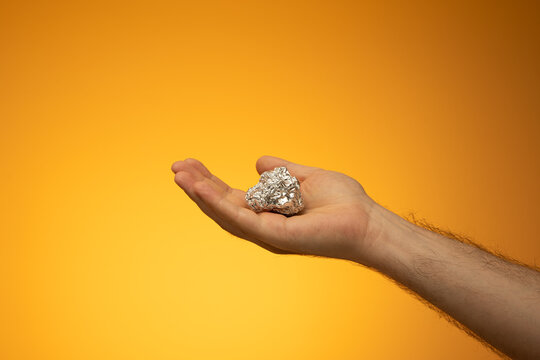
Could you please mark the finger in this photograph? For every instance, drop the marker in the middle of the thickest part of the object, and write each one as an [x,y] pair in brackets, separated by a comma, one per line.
[187,180]
[191,165]
[205,172]
[236,196]
[267,228]
[201,173]
[301,172]
[175,166]
[189,175]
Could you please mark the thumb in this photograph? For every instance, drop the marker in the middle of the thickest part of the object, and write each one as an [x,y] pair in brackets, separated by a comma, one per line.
[266,163]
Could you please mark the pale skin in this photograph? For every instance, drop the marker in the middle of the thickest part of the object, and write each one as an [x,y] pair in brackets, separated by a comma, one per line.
[496,299]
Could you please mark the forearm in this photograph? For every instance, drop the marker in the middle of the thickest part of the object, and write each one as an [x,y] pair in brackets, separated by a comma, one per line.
[496,299]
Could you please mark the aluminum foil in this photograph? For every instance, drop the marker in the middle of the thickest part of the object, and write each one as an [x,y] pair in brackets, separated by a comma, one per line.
[277,191]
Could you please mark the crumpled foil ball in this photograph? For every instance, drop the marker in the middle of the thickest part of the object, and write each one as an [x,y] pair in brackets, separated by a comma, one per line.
[276,191]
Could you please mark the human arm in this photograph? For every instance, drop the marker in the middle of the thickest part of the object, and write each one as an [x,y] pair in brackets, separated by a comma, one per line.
[498,300]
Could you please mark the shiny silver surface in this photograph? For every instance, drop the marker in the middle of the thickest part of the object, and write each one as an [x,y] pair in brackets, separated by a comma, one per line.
[277,191]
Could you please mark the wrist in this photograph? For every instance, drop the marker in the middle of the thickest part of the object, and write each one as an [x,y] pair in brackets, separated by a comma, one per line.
[389,241]
[400,249]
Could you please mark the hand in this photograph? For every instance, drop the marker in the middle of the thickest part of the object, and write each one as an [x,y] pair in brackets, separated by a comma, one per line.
[334,223]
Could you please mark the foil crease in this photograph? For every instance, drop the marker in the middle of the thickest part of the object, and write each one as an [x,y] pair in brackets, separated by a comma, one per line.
[277,191]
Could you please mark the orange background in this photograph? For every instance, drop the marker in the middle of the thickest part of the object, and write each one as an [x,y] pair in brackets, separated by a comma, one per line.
[433,107]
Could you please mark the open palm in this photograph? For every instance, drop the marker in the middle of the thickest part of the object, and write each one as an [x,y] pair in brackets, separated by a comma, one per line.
[334,222]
